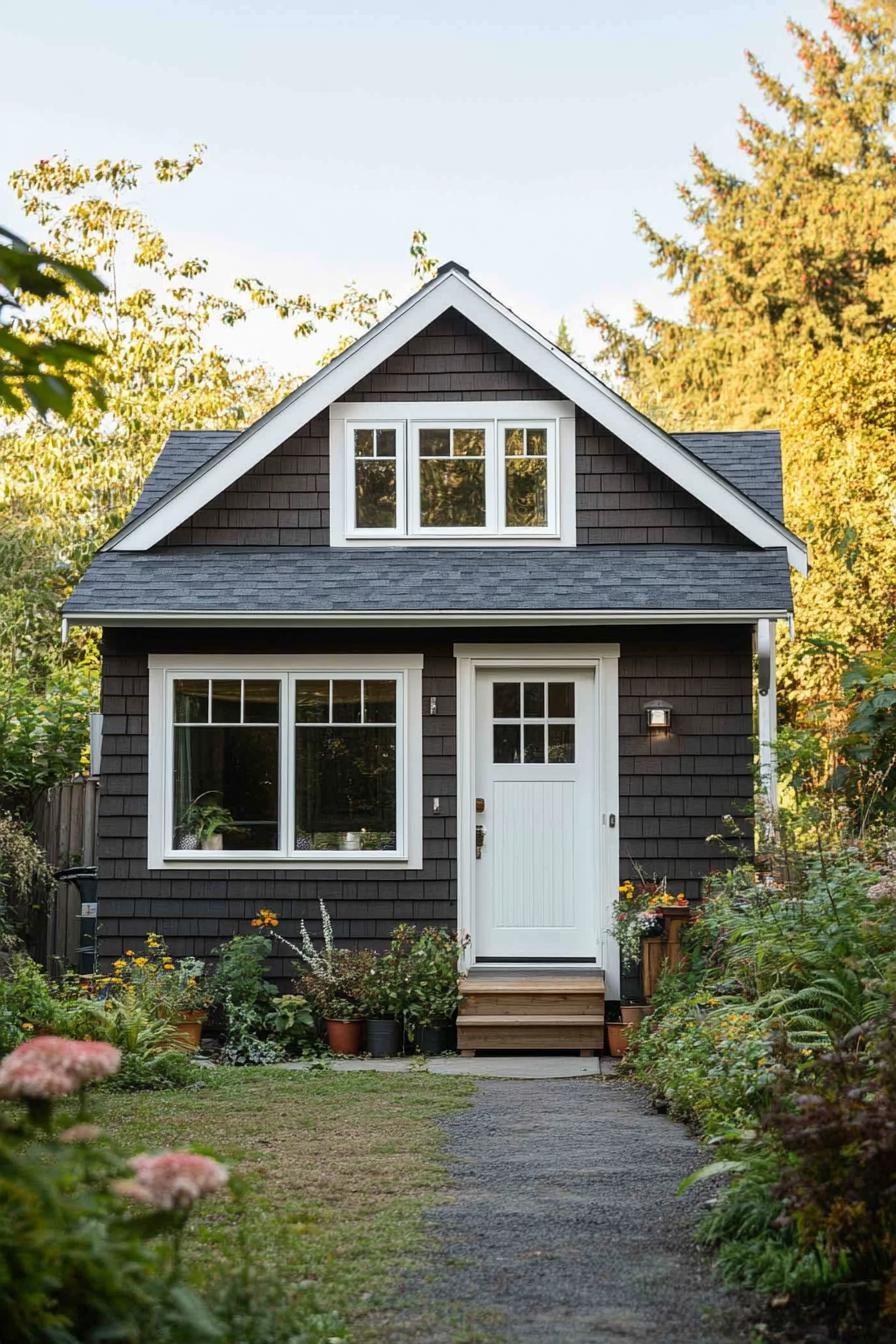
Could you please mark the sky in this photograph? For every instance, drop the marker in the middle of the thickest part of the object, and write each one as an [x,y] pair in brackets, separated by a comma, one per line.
[520,136]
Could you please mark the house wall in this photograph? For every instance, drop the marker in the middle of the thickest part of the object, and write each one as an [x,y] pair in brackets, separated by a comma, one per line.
[284,500]
[673,793]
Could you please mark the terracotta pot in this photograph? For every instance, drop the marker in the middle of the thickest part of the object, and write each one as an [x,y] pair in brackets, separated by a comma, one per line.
[617,1039]
[187,1033]
[634,1013]
[344,1038]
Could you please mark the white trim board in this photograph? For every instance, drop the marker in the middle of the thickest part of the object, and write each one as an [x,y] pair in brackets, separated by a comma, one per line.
[414,619]
[454,289]
[604,658]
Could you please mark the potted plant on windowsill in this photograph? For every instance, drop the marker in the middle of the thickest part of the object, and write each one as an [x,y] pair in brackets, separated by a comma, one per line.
[203,825]
[433,990]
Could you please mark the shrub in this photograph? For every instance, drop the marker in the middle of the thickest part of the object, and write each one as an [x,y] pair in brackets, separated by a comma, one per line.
[26,880]
[433,977]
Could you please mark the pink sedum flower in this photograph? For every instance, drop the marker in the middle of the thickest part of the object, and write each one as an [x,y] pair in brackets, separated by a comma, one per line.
[172,1180]
[51,1066]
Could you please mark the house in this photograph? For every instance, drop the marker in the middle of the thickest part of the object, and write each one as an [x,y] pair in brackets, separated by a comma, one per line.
[452,634]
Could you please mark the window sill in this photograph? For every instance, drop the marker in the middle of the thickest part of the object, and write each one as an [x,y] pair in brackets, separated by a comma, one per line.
[327,863]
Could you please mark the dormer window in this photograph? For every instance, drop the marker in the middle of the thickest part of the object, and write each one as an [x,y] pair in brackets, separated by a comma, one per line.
[465,473]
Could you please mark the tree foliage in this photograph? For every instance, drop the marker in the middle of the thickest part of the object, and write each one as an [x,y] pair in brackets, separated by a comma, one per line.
[792,257]
[157,331]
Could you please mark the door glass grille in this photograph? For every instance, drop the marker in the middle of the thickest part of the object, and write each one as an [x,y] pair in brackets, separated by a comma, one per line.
[533,722]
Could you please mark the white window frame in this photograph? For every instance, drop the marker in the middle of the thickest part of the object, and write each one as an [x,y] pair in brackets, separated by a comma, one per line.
[558,417]
[374,533]
[407,670]
[459,420]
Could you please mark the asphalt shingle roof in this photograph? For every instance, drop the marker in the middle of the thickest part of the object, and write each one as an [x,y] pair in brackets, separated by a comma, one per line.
[183,451]
[748,458]
[311,579]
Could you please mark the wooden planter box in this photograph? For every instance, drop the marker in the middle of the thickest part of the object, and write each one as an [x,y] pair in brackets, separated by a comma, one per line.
[664,950]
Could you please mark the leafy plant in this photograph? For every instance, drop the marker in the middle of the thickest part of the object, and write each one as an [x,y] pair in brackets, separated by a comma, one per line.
[433,977]
[204,820]
[290,1023]
[245,1042]
[240,973]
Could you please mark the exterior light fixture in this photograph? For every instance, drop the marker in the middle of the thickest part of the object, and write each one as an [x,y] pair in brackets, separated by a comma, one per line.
[658,716]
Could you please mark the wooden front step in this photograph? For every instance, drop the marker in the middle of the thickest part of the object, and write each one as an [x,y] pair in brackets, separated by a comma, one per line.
[531,1010]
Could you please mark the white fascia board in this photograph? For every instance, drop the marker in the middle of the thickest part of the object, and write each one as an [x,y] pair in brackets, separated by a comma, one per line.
[453,290]
[413,619]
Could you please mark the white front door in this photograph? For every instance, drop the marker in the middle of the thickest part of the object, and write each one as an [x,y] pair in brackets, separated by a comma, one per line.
[536,871]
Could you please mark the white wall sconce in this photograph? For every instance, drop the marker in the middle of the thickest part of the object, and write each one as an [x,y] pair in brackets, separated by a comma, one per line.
[658,717]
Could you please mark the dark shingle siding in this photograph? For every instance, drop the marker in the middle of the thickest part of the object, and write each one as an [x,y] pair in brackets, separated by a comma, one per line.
[318,579]
[284,500]
[673,794]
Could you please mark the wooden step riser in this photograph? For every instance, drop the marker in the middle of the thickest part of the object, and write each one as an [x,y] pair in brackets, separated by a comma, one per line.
[539,1005]
[530,1038]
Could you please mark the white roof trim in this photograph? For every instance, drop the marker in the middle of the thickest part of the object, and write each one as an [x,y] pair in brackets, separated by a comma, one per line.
[454,289]
[294,619]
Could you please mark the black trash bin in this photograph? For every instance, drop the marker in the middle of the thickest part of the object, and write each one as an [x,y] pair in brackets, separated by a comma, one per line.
[85,881]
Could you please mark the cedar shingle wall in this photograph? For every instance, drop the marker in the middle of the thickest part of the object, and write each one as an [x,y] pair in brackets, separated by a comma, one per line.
[672,793]
[620,499]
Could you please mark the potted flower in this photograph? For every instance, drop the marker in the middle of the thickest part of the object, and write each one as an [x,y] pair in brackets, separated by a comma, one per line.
[640,930]
[202,824]
[433,990]
[176,991]
[335,988]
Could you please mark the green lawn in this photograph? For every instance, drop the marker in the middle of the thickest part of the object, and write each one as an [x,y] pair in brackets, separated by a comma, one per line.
[339,1166]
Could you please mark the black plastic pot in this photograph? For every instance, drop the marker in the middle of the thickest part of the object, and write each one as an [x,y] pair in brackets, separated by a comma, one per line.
[436,1040]
[383,1037]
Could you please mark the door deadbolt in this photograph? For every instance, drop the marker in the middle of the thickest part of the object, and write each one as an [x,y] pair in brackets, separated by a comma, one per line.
[480,840]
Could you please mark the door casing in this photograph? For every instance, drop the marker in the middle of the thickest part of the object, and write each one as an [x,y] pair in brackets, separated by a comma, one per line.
[604,660]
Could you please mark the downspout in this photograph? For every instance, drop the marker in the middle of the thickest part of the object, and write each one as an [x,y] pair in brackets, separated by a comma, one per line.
[767,715]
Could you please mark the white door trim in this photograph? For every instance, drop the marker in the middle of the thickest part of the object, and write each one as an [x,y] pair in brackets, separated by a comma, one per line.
[604,659]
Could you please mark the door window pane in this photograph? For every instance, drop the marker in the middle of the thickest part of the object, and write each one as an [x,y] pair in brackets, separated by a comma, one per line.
[533,700]
[452,477]
[506,743]
[561,743]
[346,770]
[533,742]
[561,700]
[506,699]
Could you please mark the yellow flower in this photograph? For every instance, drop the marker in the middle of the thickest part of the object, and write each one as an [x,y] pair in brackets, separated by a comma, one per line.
[167,965]
[27,1026]
[129,952]
[120,964]
[141,961]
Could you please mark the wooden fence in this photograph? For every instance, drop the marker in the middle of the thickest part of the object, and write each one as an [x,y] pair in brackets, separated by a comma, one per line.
[65,826]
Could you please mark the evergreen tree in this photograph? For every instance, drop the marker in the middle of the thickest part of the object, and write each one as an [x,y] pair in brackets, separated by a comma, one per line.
[793,257]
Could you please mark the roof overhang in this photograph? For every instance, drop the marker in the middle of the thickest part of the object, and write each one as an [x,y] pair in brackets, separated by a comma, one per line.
[453,288]
[414,619]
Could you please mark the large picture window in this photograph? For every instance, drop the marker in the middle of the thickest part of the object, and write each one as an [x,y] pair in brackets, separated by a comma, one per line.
[285,759]
[420,473]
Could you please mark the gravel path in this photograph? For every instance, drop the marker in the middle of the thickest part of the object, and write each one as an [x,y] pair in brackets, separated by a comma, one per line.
[565,1227]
